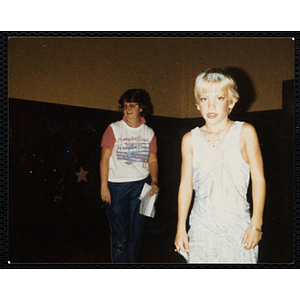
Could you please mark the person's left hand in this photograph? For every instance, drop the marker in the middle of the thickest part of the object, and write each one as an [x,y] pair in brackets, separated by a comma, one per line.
[252,237]
[155,189]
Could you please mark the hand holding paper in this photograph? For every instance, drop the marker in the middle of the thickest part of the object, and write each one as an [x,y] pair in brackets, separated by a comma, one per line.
[155,189]
[147,202]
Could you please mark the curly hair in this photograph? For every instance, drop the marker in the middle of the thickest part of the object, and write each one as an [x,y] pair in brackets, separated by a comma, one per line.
[139,96]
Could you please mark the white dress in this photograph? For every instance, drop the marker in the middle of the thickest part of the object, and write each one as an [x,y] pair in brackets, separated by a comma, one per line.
[220,214]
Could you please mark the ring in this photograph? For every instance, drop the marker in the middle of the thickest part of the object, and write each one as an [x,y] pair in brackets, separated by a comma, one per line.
[175,250]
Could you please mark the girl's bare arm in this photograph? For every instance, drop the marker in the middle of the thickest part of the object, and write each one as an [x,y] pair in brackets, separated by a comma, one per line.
[254,158]
[185,193]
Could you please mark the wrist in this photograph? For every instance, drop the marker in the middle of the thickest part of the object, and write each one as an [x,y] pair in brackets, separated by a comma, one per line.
[256,223]
[181,228]
[256,229]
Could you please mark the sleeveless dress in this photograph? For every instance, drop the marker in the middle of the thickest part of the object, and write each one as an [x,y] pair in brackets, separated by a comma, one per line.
[220,214]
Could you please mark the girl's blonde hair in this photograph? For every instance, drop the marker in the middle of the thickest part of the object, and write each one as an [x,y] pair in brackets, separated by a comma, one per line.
[216,78]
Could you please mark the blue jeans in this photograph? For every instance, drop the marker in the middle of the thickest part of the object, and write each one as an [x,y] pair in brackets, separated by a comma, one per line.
[126,223]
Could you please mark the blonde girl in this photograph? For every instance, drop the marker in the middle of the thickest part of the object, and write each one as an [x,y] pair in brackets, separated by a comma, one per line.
[218,161]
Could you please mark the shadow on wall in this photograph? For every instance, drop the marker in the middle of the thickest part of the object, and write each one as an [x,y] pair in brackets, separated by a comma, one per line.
[245,88]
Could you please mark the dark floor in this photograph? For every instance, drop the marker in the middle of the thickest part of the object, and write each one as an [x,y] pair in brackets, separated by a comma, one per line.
[88,242]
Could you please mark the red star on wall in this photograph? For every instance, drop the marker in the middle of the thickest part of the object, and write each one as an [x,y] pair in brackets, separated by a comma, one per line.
[81,174]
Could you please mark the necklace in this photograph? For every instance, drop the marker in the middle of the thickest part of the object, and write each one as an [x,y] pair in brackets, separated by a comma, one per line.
[219,138]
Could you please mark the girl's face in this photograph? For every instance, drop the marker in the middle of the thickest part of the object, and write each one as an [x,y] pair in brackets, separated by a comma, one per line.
[132,111]
[214,105]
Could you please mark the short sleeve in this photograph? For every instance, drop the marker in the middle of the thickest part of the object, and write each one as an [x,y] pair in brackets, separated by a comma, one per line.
[153,145]
[108,138]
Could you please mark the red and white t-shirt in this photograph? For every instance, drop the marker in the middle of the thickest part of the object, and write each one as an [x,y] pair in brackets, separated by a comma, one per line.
[130,150]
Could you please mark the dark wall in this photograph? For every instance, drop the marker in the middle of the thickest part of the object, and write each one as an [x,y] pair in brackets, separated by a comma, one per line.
[54,218]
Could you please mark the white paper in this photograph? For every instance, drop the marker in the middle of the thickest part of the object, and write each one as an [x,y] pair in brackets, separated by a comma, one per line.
[186,255]
[147,203]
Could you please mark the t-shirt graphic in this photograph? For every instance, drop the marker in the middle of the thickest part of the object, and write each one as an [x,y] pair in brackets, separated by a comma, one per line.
[132,150]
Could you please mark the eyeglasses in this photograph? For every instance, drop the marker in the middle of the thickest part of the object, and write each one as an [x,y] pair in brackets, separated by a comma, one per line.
[130,105]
